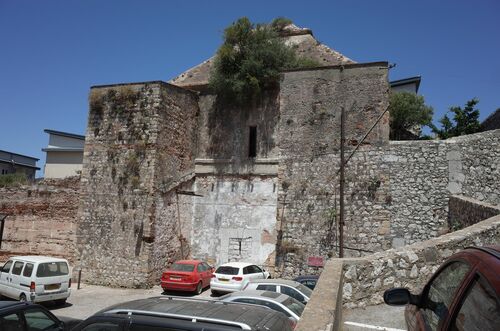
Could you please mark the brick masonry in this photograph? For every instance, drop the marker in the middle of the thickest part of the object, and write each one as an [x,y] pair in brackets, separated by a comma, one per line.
[41,218]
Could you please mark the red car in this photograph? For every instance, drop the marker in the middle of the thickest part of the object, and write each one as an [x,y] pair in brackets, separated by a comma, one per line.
[187,275]
[463,294]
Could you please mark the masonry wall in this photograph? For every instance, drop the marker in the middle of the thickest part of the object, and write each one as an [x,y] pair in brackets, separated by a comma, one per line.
[224,128]
[138,148]
[396,193]
[234,219]
[366,279]
[41,218]
[309,140]
[464,212]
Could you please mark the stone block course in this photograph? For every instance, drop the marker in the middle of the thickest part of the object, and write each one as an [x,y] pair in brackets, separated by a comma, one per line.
[138,148]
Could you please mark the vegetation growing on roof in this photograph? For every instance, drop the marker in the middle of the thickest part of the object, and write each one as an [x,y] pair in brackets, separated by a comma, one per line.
[279,23]
[250,60]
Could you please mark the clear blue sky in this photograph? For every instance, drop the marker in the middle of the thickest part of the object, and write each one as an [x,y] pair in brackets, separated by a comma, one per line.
[51,52]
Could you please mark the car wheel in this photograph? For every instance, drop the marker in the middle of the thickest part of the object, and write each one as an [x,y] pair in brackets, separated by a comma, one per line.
[199,288]
[22,298]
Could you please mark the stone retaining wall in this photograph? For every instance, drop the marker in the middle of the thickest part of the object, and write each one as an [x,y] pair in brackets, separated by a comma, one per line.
[366,279]
[323,312]
[396,194]
[464,212]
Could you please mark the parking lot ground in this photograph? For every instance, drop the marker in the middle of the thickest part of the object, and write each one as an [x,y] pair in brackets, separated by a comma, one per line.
[380,317]
[90,299]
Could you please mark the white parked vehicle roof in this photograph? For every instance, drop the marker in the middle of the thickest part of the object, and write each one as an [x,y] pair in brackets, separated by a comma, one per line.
[276,281]
[236,264]
[38,258]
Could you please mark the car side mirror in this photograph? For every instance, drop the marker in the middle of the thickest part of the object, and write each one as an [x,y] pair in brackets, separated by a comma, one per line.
[399,297]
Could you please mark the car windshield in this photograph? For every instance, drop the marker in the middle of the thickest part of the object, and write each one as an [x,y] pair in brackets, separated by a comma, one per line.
[51,269]
[227,270]
[304,289]
[182,267]
[294,305]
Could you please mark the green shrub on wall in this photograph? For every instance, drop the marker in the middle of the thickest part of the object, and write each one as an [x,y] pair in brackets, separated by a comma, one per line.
[13,179]
[250,60]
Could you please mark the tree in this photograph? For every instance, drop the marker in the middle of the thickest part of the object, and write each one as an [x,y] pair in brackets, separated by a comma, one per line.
[251,59]
[465,121]
[408,112]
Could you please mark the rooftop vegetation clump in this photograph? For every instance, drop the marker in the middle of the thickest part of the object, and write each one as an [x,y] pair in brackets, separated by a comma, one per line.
[250,60]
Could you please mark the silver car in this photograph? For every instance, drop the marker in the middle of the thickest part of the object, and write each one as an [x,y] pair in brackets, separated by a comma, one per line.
[179,313]
[276,301]
[289,287]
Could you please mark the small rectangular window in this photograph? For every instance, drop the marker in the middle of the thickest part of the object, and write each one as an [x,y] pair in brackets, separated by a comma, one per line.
[28,270]
[267,287]
[18,266]
[252,141]
[6,266]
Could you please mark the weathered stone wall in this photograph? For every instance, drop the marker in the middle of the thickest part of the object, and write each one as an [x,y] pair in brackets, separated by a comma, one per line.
[396,192]
[224,129]
[474,166]
[366,279]
[418,172]
[464,212]
[309,140]
[41,218]
[138,148]
[234,219]
[492,122]
[323,311]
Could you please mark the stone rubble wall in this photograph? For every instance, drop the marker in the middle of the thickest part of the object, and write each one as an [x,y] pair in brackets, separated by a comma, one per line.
[309,136]
[41,218]
[464,212]
[366,279]
[224,129]
[138,148]
[397,192]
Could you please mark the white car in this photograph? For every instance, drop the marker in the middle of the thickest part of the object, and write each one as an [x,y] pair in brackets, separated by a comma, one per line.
[233,276]
[291,288]
[276,301]
[36,279]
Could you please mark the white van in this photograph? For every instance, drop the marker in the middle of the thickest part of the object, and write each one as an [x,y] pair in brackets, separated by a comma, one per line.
[36,279]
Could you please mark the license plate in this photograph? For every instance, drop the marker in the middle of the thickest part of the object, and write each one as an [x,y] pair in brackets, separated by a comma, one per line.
[52,287]
[175,278]
[223,280]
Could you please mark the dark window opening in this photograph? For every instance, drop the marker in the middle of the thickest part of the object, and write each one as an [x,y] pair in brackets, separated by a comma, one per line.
[252,145]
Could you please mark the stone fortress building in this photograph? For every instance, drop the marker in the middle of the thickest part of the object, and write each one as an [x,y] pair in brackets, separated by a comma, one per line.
[169,172]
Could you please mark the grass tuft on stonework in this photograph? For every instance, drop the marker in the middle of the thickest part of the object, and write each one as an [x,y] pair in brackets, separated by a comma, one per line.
[12,180]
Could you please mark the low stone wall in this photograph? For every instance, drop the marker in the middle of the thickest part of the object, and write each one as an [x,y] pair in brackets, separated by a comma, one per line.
[324,310]
[464,212]
[366,279]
